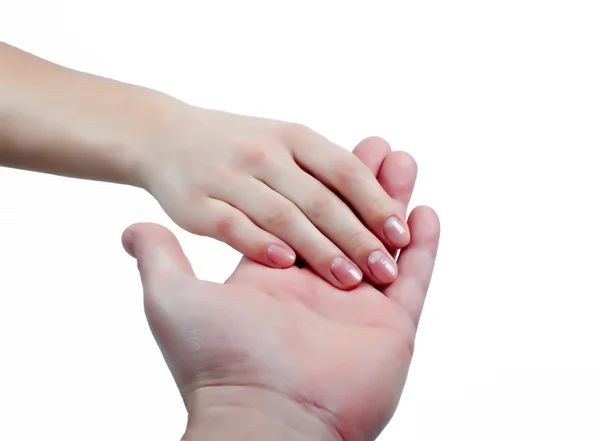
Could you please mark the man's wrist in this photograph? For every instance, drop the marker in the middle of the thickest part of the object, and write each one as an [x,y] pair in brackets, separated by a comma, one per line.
[251,413]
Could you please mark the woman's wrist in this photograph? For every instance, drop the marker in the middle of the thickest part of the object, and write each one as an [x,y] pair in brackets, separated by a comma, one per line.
[250,413]
[148,128]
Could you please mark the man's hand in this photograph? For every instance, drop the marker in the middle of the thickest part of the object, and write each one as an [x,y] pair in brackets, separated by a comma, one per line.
[282,354]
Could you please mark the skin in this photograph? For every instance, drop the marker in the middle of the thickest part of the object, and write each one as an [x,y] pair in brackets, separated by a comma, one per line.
[265,187]
[281,354]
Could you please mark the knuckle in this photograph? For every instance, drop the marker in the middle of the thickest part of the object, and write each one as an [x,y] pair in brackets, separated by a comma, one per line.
[278,219]
[251,154]
[377,209]
[348,172]
[361,243]
[294,133]
[193,221]
[224,227]
[381,207]
[320,205]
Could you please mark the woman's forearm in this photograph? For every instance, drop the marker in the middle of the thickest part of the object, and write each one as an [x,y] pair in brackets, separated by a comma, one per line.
[57,120]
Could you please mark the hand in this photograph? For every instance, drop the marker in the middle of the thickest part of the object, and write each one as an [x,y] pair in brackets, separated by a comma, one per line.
[282,348]
[268,188]
[265,187]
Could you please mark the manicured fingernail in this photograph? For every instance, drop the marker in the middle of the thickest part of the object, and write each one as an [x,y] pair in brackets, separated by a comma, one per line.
[280,256]
[382,267]
[396,232]
[345,272]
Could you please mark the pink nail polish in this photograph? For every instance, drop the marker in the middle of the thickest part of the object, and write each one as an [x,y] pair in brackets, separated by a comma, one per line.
[280,256]
[345,272]
[396,232]
[382,267]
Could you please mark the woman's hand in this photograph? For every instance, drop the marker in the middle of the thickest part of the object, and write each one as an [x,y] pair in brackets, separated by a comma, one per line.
[265,187]
[269,189]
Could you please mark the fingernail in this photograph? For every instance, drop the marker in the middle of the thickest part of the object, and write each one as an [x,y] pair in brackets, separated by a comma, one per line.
[280,256]
[382,267]
[396,232]
[345,272]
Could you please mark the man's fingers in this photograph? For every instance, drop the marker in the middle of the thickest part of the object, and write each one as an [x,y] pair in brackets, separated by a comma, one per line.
[397,176]
[416,262]
[371,152]
[161,260]
[395,171]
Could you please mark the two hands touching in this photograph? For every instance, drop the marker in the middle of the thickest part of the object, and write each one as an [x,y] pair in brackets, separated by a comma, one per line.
[272,189]
[278,354]
[278,351]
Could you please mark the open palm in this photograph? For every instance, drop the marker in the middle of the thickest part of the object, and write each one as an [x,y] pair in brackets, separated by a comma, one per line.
[342,355]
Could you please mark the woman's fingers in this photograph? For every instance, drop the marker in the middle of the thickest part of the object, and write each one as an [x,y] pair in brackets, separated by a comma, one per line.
[219,220]
[315,223]
[344,173]
[287,205]
[395,171]
[336,221]
[274,213]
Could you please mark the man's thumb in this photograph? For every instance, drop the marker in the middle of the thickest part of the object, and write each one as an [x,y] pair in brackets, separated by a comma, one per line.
[161,260]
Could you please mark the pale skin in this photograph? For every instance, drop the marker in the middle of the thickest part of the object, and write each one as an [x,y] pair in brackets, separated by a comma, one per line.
[267,188]
[271,354]
[282,354]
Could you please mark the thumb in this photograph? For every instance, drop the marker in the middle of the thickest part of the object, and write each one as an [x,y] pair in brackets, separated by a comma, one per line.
[161,260]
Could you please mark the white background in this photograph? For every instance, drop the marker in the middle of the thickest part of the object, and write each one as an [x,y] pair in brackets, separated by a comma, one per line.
[499,102]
